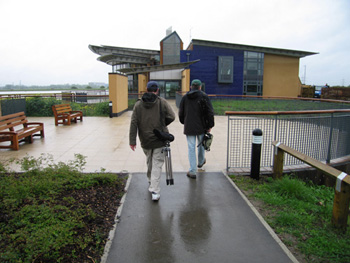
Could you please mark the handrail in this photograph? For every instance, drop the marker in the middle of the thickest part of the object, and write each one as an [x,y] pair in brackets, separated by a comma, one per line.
[342,189]
[270,97]
[329,170]
[285,112]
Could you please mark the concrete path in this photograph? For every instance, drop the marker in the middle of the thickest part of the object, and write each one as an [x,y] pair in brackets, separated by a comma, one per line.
[105,143]
[202,220]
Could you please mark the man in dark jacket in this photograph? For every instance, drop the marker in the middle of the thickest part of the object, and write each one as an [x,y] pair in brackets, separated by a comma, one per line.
[151,112]
[196,124]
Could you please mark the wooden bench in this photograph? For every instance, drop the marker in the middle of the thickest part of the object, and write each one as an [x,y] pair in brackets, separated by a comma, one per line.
[65,115]
[15,128]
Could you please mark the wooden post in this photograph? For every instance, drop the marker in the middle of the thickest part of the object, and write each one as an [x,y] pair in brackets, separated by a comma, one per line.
[278,163]
[341,206]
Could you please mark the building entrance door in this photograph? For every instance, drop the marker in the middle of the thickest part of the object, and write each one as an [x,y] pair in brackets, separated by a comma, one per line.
[168,89]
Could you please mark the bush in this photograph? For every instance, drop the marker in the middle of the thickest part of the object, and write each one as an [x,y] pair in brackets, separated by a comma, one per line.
[102,109]
[40,107]
[47,214]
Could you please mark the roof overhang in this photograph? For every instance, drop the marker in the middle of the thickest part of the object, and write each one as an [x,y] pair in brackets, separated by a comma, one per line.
[116,59]
[267,50]
[144,69]
[107,50]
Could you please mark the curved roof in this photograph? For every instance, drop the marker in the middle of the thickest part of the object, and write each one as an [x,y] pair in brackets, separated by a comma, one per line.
[116,59]
[120,55]
[103,50]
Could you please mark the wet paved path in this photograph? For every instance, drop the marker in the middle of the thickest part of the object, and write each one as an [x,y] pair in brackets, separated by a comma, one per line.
[202,220]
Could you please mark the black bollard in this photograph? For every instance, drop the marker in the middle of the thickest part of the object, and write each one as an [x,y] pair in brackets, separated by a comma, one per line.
[110,109]
[256,154]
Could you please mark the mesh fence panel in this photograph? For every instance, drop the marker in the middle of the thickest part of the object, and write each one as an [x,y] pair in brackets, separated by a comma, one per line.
[322,137]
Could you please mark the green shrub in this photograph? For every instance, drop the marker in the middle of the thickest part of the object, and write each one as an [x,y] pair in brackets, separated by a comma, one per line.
[40,219]
[292,188]
[102,109]
[131,103]
[40,107]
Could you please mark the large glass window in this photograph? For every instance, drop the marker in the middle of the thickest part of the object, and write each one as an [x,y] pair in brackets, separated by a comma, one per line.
[132,85]
[253,73]
[225,69]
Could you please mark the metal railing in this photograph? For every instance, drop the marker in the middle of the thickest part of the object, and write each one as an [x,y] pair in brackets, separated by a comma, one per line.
[322,135]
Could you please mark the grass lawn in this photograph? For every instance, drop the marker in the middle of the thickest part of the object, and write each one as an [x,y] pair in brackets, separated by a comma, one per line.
[300,214]
[220,106]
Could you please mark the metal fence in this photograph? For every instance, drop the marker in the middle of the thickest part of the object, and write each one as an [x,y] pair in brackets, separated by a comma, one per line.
[317,132]
[322,135]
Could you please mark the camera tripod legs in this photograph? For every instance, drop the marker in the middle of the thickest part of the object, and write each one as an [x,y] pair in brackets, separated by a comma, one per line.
[168,167]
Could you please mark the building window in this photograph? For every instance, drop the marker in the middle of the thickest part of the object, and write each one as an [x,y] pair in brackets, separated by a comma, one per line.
[225,69]
[253,73]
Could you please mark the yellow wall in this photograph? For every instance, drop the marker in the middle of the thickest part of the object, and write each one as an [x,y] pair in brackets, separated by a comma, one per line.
[281,76]
[142,86]
[118,93]
[185,80]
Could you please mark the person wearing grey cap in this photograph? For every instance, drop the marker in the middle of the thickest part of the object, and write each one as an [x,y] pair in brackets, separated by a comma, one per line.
[149,113]
[191,115]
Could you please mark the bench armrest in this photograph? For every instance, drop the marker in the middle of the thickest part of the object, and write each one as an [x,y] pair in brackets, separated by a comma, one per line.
[33,123]
[62,114]
[8,133]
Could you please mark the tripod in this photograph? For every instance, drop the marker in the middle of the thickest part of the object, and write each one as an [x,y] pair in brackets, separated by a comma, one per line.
[167,138]
[168,168]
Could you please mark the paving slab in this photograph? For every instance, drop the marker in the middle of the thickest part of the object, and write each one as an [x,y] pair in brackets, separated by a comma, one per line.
[202,220]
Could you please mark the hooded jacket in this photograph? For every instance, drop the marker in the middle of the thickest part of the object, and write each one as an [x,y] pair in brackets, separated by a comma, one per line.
[150,112]
[191,115]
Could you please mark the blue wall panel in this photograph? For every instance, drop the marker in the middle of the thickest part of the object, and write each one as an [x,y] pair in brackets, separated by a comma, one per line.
[207,69]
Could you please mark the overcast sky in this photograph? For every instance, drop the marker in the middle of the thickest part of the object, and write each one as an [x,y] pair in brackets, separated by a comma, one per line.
[46,42]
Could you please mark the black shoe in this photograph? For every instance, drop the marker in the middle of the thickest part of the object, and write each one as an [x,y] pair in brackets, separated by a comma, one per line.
[201,165]
[193,176]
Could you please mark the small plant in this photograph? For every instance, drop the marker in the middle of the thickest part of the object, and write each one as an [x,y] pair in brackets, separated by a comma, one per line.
[47,214]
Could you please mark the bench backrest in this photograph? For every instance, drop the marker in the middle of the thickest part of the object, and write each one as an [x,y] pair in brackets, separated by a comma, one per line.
[12,120]
[61,108]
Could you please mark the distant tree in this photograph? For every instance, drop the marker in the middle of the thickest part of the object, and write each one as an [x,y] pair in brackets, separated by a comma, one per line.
[74,87]
[88,87]
[102,87]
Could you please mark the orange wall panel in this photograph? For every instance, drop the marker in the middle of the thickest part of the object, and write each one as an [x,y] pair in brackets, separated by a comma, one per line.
[185,80]
[118,93]
[281,76]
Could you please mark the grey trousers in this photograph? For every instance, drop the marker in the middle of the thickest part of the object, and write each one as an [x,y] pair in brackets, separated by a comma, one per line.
[155,161]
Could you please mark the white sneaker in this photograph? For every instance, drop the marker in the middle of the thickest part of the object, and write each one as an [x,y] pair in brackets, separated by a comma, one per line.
[155,196]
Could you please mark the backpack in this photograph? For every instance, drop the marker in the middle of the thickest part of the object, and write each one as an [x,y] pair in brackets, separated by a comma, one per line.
[205,110]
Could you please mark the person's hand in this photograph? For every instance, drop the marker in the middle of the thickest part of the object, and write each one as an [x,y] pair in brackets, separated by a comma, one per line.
[133,147]
[209,130]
